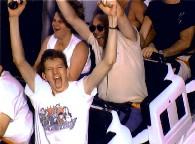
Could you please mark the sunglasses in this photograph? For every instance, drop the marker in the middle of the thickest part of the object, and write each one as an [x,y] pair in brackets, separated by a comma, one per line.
[99,27]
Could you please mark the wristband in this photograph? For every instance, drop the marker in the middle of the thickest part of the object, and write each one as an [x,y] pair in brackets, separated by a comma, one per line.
[113,27]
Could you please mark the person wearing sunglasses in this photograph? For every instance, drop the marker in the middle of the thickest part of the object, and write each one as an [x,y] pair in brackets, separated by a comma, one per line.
[99,27]
[125,82]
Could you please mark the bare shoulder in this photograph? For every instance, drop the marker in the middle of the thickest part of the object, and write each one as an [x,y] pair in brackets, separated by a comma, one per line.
[47,39]
[45,42]
[82,47]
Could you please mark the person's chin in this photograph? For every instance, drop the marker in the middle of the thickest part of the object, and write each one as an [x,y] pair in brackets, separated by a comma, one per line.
[59,89]
[99,37]
[56,35]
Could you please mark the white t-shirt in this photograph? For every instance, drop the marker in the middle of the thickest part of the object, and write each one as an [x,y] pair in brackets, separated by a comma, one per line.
[62,118]
[68,51]
[13,103]
[126,80]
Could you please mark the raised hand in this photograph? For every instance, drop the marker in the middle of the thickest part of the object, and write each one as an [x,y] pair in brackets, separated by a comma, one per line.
[109,7]
[18,10]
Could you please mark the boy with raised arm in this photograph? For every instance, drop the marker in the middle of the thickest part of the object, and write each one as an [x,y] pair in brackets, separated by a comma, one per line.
[61,107]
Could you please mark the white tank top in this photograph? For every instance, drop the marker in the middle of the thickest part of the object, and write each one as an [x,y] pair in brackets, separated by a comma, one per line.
[68,51]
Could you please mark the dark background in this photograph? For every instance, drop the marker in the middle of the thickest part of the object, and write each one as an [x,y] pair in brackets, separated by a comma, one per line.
[30,30]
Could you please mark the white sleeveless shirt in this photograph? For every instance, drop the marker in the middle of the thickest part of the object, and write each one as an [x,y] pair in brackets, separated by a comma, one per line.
[68,51]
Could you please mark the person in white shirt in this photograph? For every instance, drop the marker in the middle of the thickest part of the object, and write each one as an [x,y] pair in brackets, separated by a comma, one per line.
[61,107]
[66,40]
[16,122]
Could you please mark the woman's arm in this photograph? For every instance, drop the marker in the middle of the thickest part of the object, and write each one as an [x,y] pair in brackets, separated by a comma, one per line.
[69,14]
[78,61]
[43,48]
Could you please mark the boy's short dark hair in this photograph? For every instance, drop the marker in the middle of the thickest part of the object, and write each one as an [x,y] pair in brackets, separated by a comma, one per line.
[51,54]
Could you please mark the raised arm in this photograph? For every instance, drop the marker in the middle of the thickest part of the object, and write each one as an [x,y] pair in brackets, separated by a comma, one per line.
[43,48]
[69,14]
[146,27]
[136,13]
[124,25]
[101,70]
[27,72]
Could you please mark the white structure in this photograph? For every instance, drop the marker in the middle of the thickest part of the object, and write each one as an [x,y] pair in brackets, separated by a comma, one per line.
[178,128]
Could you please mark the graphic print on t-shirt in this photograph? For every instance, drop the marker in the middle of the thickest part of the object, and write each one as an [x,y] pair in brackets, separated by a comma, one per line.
[56,118]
